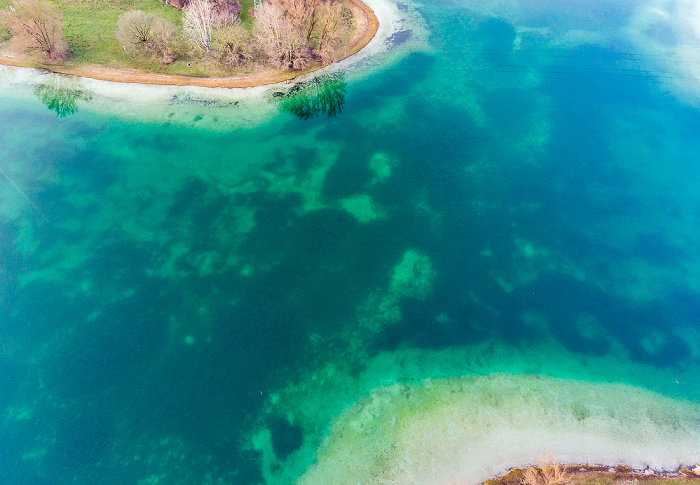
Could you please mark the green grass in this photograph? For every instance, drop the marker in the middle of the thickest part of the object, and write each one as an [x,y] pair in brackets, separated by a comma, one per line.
[89,27]
[246,6]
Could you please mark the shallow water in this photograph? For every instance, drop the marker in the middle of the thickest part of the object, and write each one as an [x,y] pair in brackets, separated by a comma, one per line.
[195,297]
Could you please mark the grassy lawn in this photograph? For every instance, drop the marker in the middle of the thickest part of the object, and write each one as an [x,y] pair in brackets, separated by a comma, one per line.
[89,27]
[246,6]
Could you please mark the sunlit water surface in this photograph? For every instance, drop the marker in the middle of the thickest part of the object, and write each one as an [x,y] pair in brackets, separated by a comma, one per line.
[194,298]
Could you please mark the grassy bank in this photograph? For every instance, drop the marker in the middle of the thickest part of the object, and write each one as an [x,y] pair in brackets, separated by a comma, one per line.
[90,26]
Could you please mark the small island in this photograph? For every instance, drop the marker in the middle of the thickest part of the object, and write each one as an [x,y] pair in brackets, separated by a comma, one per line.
[209,43]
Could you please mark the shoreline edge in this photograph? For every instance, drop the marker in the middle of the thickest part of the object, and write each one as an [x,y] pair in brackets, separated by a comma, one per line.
[367,20]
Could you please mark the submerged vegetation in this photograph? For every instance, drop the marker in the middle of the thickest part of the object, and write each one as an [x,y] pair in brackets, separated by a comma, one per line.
[61,94]
[193,37]
[321,95]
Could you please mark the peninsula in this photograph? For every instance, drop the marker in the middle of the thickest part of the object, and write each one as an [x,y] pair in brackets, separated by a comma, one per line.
[233,55]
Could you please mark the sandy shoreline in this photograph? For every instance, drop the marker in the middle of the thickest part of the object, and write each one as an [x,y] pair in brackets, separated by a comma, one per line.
[219,104]
[367,26]
[480,427]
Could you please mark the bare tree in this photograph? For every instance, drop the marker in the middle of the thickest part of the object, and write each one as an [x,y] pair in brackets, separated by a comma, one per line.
[328,30]
[162,41]
[197,23]
[300,14]
[135,29]
[35,26]
[320,23]
[233,44]
[146,33]
[282,42]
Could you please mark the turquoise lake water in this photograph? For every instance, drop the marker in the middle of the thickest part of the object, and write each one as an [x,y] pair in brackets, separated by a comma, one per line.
[195,301]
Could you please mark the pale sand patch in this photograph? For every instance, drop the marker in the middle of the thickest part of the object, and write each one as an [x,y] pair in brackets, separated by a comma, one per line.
[362,208]
[473,428]
[381,164]
[412,277]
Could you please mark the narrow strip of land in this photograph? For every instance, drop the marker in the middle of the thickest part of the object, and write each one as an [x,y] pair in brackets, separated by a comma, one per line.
[366,28]
[555,474]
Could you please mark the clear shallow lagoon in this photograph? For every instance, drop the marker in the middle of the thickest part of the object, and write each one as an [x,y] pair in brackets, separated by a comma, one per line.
[196,298]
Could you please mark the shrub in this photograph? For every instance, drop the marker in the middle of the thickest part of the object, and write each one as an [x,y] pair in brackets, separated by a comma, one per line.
[233,45]
[147,34]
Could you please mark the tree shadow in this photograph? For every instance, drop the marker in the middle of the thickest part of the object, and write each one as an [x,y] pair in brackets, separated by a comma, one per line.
[61,94]
[322,95]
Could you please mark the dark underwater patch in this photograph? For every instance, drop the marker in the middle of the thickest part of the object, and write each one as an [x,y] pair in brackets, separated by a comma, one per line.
[400,37]
[286,437]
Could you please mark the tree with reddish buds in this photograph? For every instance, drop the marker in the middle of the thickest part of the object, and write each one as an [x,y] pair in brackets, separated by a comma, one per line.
[36,27]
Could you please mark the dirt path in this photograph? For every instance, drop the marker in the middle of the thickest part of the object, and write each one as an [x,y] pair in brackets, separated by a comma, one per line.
[367,26]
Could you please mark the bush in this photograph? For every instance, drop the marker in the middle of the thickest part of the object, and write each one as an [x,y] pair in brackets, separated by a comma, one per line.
[233,43]
[4,32]
[147,34]
[135,29]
